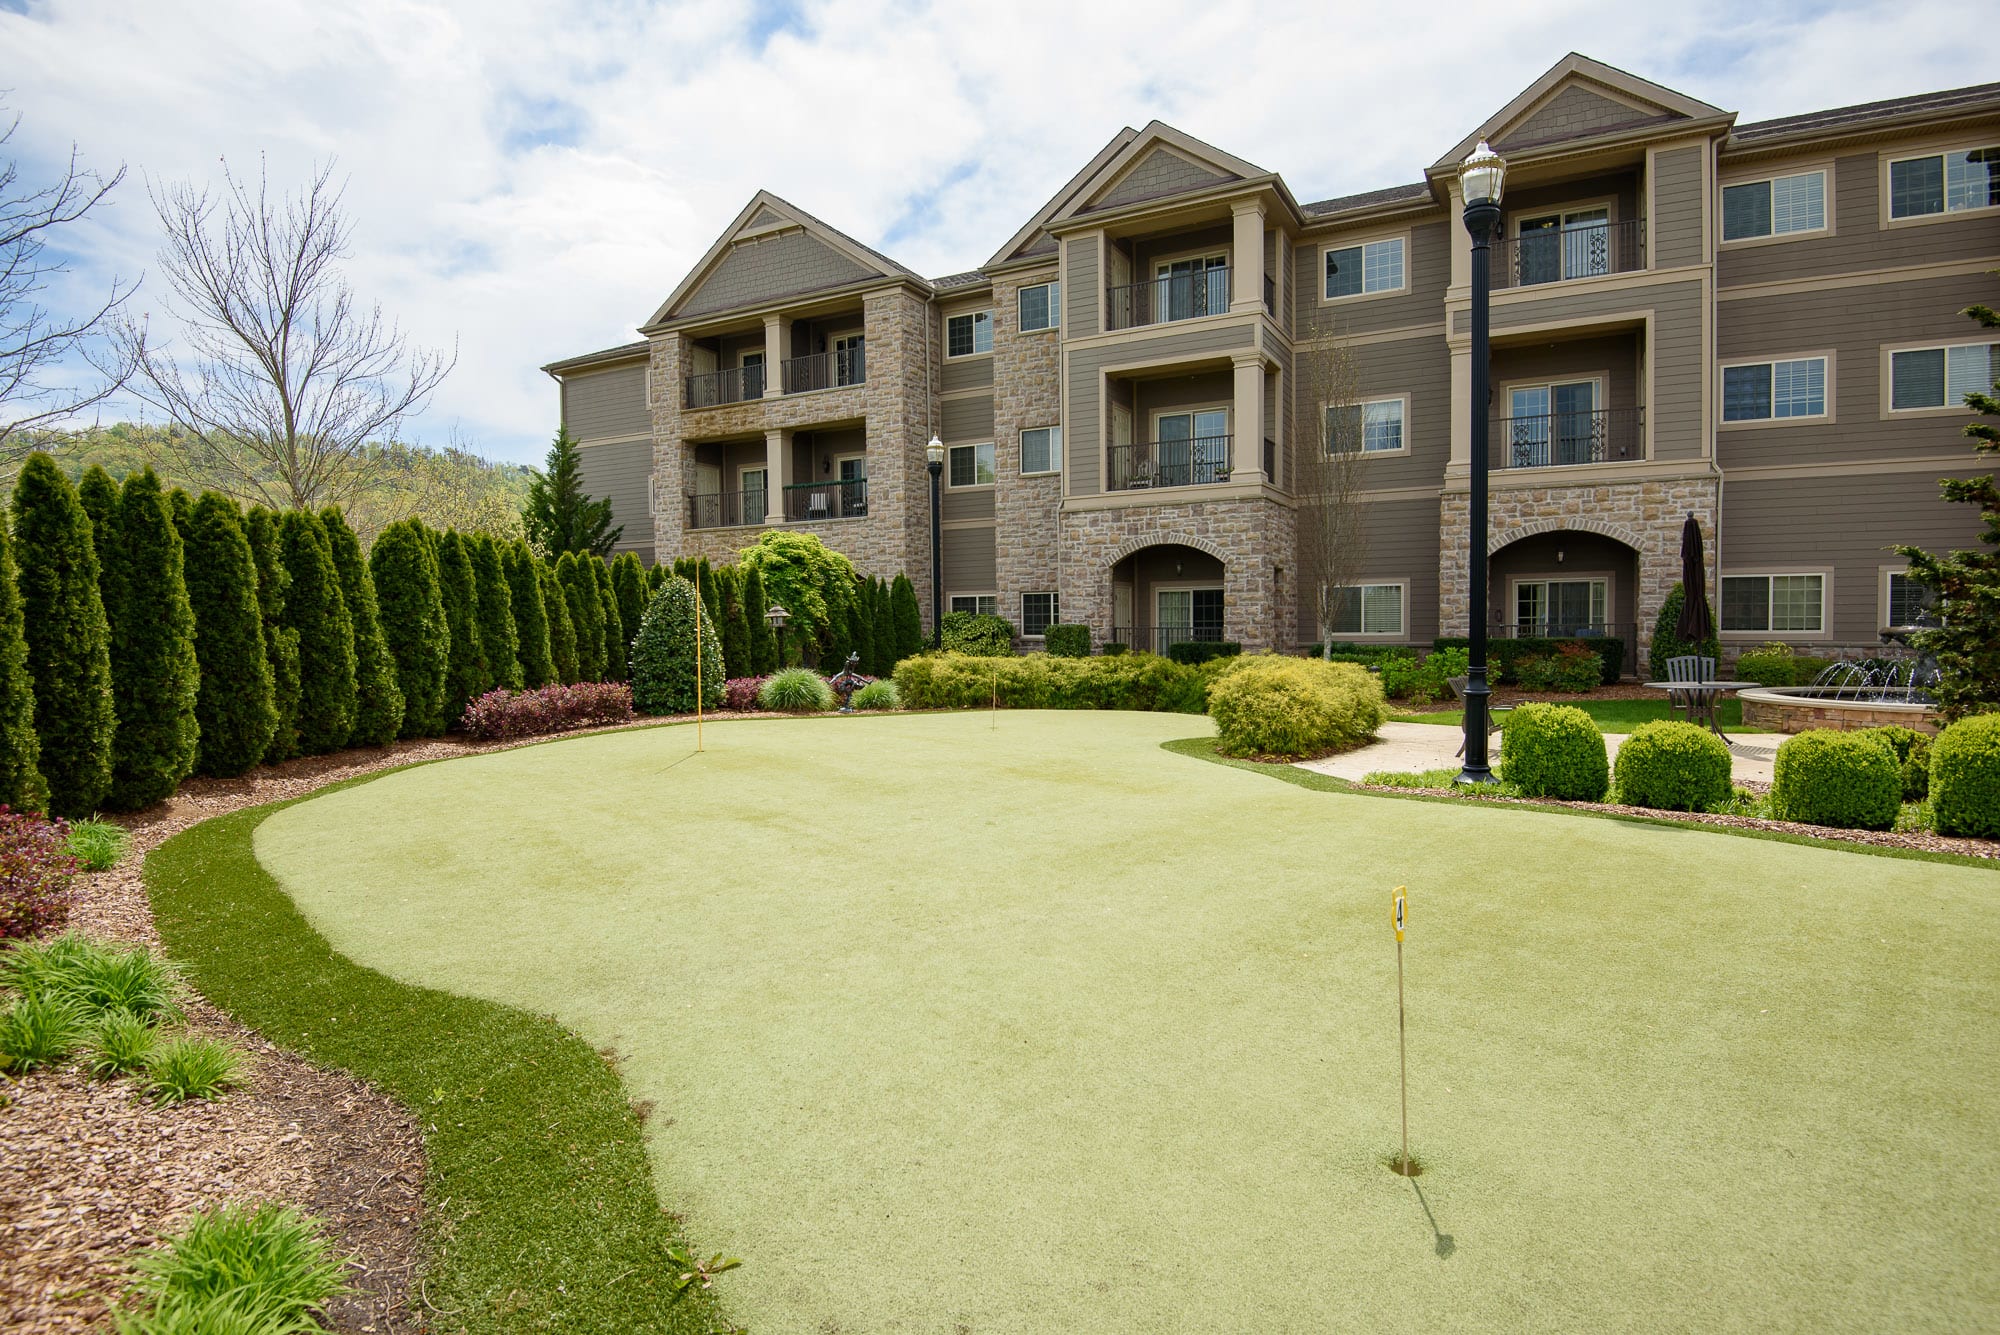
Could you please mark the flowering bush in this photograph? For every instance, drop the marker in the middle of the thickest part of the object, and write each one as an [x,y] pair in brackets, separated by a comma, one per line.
[35,873]
[741,692]
[1570,668]
[503,715]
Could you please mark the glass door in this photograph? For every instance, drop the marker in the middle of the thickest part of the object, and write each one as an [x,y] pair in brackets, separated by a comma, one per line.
[1194,447]
[850,364]
[1572,244]
[1560,607]
[1184,289]
[756,494]
[1574,429]
[854,485]
[753,375]
[1528,427]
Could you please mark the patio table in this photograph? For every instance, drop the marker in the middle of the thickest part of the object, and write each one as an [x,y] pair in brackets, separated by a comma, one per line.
[1703,697]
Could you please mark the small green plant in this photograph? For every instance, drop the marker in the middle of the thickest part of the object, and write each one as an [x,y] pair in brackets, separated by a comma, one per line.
[796,691]
[37,1032]
[1965,777]
[875,695]
[264,1269]
[1556,751]
[122,1045]
[1850,780]
[1673,766]
[1067,641]
[1571,668]
[1435,779]
[692,1273]
[185,1068]
[96,977]
[34,968]
[97,845]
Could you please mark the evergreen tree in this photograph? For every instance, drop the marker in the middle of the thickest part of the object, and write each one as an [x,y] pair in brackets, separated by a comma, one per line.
[281,642]
[763,642]
[735,626]
[711,596]
[467,677]
[378,708]
[586,614]
[656,575]
[97,492]
[21,785]
[836,636]
[862,620]
[562,627]
[559,517]
[233,704]
[181,506]
[153,668]
[531,620]
[410,606]
[885,628]
[616,646]
[628,581]
[1667,642]
[69,657]
[909,621]
[663,654]
[498,635]
[315,611]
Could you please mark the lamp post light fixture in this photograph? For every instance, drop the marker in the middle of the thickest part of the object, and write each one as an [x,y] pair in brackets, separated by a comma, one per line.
[934,457]
[1481,177]
[778,616]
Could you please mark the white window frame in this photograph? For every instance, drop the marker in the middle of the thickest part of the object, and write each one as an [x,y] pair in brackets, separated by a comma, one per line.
[951,603]
[1404,400]
[1950,407]
[1826,413]
[1939,150]
[1604,577]
[1402,631]
[1884,576]
[1362,243]
[1054,285]
[992,464]
[1055,608]
[1055,451]
[765,469]
[1825,576]
[1823,170]
[977,351]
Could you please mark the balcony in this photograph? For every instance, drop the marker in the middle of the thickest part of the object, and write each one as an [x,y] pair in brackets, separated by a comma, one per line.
[1186,462]
[739,385]
[726,509]
[1575,250]
[810,502]
[1181,296]
[826,370]
[1560,440]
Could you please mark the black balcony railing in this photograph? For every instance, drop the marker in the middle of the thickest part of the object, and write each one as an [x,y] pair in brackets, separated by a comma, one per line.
[726,509]
[1557,255]
[1169,463]
[806,502]
[1157,639]
[1181,296]
[720,387]
[1554,440]
[826,370]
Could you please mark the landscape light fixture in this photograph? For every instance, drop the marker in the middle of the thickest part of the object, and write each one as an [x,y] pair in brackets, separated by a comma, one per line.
[1481,177]
[778,616]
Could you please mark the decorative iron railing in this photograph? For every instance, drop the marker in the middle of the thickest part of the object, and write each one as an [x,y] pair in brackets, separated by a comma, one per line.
[826,370]
[1555,255]
[719,387]
[1181,296]
[726,509]
[1157,639]
[807,502]
[1556,440]
[1169,463]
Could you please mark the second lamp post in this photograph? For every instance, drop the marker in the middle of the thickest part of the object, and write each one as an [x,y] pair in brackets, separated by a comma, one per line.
[1481,178]
[934,460]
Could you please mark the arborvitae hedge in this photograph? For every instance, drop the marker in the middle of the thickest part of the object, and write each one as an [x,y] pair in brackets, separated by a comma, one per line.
[411,604]
[763,644]
[233,700]
[21,785]
[585,613]
[69,660]
[328,699]
[861,619]
[884,613]
[711,593]
[663,655]
[735,626]
[467,677]
[97,492]
[628,582]
[499,637]
[909,621]
[617,645]
[656,575]
[281,642]
[153,670]
[181,506]
[531,620]
[378,707]
[562,628]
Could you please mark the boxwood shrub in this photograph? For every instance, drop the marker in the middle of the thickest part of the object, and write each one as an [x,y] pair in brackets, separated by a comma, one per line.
[1913,755]
[1042,681]
[1067,641]
[1845,779]
[1278,706]
[1555,751]
[970,633]
[1673,766]
[1570,668]
[1196,652]
[1775,664]
[1965,777]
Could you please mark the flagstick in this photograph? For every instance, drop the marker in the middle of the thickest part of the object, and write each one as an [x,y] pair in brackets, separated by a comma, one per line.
[996,702]
[1402,1055]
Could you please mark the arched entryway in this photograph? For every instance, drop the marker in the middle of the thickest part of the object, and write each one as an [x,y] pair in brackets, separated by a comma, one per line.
[1563,583]
[1164,594]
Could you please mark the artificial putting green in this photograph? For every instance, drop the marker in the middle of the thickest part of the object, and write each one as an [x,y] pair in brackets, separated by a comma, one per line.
[1024,1024]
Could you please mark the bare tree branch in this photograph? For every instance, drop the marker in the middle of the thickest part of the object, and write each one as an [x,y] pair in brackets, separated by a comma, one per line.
[1326,450]
[285,378]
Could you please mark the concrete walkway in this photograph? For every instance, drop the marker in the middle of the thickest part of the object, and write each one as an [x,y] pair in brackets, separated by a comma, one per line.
[1420,746]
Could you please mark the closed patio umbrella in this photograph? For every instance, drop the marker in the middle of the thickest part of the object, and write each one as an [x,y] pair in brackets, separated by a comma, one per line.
[1695,625]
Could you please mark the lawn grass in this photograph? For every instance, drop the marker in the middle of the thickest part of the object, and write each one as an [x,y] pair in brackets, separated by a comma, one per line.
[1024,1023]
[1611,715]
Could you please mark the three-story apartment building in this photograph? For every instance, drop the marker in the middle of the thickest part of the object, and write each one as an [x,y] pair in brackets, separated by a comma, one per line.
[1757,325]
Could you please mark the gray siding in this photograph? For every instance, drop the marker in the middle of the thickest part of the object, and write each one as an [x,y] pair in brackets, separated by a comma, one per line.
[1427,270]
[762,270]
[968,419]
[1673,235]
[1400,543]
[1081,431]
[606,403]
[1622,188]
[970,563]
[1572,114]
[966,503]
[623,474]
[1419,367]
[967,373]
[1158,174]
[1083,288]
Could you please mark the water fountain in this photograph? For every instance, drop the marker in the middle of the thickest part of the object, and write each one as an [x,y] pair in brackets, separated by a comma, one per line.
[1853,693]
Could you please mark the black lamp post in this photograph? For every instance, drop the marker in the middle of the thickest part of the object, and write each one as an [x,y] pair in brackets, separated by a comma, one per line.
[934,455]
[778,616]
[1481,177]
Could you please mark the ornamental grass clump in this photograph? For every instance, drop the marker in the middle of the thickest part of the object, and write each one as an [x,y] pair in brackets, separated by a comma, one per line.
[1965,777]
[1673,766]
[1291,707]
[38,1032]
[796,691]
[503,715]
[264,1269]
[1555,751]
[37,871]
[183,1069]
[875,695]
[1845,779]
[121,1044]
[97,845]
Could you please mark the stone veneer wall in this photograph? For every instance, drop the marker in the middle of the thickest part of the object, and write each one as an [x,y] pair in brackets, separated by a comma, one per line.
[1027,392]
[1797,715]
[1646,516]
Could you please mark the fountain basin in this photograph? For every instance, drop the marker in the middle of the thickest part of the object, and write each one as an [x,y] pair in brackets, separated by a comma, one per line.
[1798,708]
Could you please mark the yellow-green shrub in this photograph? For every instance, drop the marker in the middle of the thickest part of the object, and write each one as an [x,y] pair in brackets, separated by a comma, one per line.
[1281,706]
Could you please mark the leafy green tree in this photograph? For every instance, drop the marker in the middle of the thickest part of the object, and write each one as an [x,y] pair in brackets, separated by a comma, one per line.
[801,573]
[378,711]
[559,516]
[153,669]
[315,611]
[735,625]
[628,582]
[562,627]
[21,784]
[861,620]
[69,655]
[763,642]
[663,655]
[233,700]
[884,612]
[586,613]
[281,642]
[410,603]
[616,643]
[498,634]
[531,621]
[468,676]
[909,621]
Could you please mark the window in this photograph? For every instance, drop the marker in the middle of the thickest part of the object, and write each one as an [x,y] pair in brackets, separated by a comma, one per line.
[1041,450]
[1553,424]
[850,359]
[1763,391]
[1909,603]
[1041,307]
[1561,606]
[756,494]
[1775,207]
[967,334]
[1191,448]
[1368,609]
[1187,614]
[1941,377]
[979,604]
[1575,243]
[1945,183]
[1039,611]
[1774,603]
[1374,267]
[971,465]
[1374,426]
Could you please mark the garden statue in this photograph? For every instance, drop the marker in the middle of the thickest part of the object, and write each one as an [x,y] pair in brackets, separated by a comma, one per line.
[848,682]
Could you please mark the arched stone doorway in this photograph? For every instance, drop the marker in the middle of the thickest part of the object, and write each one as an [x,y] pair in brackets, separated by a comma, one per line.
[1166,593]
[1565,582]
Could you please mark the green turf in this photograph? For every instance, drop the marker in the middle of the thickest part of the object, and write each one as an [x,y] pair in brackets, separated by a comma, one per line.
[1043,1027]
[1611,715]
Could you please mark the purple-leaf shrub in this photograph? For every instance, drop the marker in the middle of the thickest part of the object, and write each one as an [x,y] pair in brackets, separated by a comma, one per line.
[503,715]
[741,692]
[35,873]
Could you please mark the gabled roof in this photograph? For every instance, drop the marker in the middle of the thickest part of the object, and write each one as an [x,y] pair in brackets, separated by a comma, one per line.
[604,356]
[1923,105]
[1368,199]
[1578,98]
[970,278]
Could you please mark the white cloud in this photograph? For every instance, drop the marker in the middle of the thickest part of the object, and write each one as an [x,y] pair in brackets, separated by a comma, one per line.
[528,180]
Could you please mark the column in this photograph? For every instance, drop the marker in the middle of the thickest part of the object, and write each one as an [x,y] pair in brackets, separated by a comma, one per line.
[1462,406]
[777,471]
[777,347]
[1247,425]
[1246,258]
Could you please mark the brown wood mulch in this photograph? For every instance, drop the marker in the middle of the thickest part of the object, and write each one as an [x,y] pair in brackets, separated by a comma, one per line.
[90,1172]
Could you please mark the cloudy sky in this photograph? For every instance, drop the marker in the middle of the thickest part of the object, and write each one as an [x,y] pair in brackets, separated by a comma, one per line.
[527,180]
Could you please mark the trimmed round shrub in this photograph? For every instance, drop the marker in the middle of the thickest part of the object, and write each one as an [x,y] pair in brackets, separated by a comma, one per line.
[1673,766]
[1280,706]
[796,691]
[663,663]
[875,695]
[1067,641]
[980,636]
[1555,751]
[1845,779]
[1913,755]
[1770,664]
[1965,777]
